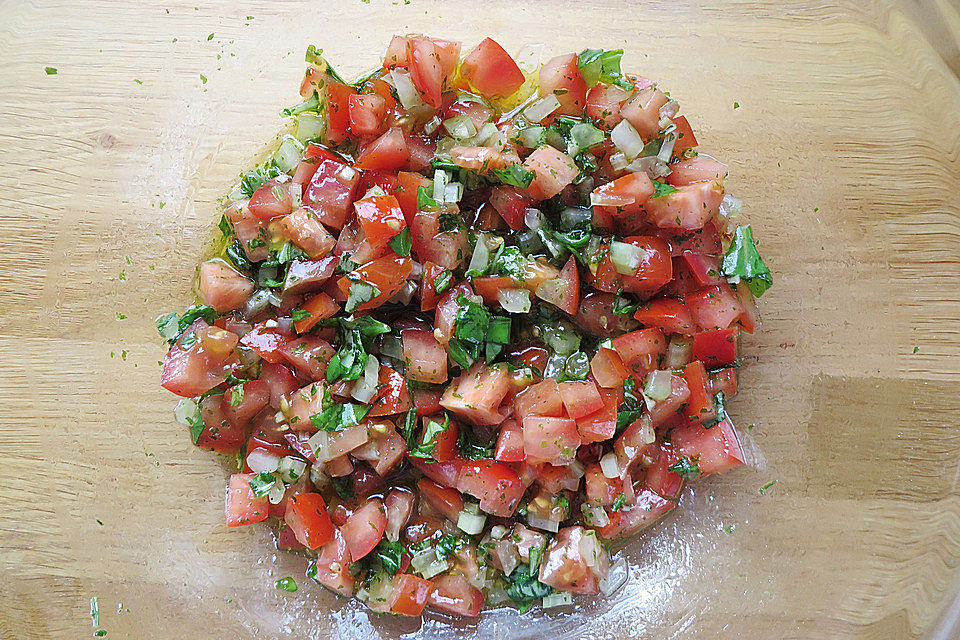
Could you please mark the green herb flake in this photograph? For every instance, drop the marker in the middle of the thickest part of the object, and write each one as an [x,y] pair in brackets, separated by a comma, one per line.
[50,71]
[736,105]
[515,175]
[262,483]
[661,189]
[236,395]
[619,502]
[401,243]
[203,79]
[742,263]
[686,468]
[210,37]
[524,588]
[431,431]
[299,314]
[916,349]
[95,611]
[287,584]
[767,486]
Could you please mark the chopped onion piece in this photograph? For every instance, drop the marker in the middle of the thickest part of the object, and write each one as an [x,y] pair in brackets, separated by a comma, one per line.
[514,300]
[498,532]
[670,109]
[276,493]
[609,466]
[365,389]
[347,173]
[626,257]
[291,469]
[310,126]
[666,149]
[187,410]
[283,324]
[533,219]
[256,304]
[409,97]
[317,476]
[619,161]
[609,199]
[440,180]
[427,564]
[319,444]
[615,578]
[595,515]
[571,484]
[460,127]
[557,600]
[626,138]
[679,352]
[528,58]
[532,137]
[543,523]
[261,461]
[391,345]
[730,206]
[483,135]
[658,385]
[577,470]
[431,126]
[542,108]
[471,523]
[452,192]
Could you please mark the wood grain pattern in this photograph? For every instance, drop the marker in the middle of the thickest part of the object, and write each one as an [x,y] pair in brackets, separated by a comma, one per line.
[845,148]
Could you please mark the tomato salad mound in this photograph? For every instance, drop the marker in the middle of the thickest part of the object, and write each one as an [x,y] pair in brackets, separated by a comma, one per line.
[471,322]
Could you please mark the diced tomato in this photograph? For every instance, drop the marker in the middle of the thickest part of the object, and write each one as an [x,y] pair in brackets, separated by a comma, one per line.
[703,269]
[409,595]
[428,291]
[689,207]
[309,355]
[561,77]
[421,150]
[305,276]
[553,440]
[387,153]
[553,171]
[320,307]
[511,204]
[643,111]
[387,274]
[488,288]
[380,217]
[668,314]
[245,400]
[482,159]
[601,489]
[444,473]
[510,443]
[541,399]
[223,287]
[425,358]
[333,566]
[595,315]
[331,192]
[423,62]
[623,197]
[218,434]
[266,342]
[655,269]
[685,138]
[476,394]
[190,371]
[601,424]
[716,449]
[700,168]
[491,71]
[603,105]
[565,567]
[367,114]
[454,594]
[447,501]
[313,155]
[250,230]
[714,307]
[406,192]
[338,112]
[716,348]
[724,381]
[396,54]
[700,403]
[649,507]
[445,447]
[564,291]
[495,484]
[580,398]
[608,368]
[446,313]
[640,350]
[606,277]
[242,506]
[364,529]
[307,517]
[304,403]
[668,409]
[272,199]
[704,241]
[531,356]
[303,228]
[279,379]
[393,396]
[427,401]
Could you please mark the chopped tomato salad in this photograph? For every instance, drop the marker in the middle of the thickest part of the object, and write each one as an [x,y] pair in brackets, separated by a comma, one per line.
[476,318]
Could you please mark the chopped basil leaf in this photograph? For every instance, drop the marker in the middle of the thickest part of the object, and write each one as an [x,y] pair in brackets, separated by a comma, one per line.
[442,282]
[310,104]
[299,314]
[661,189]
[254,179]
[472,447]
[510,262]
[447,545]
[50,71]
[619,502]
[718,403]
[290,252]
[171,326]
[338,416]
[622,306]
[424,201]
[686,468]
[346,265]
[448,222]
[343,487]
[386,557]
[464,354]
[473,321]
[431,430]
[742,262]
[515,175]
[262,483]
[401,243]
[287,584]
[236,395]
[360,293]
[225,227]
[409,425]
[597,65]
[524,588]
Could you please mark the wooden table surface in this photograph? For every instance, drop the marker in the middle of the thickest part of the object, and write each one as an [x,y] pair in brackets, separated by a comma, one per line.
[844,148]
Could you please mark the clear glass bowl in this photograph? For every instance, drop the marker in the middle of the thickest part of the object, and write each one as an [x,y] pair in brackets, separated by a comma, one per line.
[842,146]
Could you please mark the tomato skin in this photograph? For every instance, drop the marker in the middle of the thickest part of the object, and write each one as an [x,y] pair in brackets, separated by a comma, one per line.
[423,62]
[396,54]
[307,517]
[330,192]
[703,269]
[600,489]
[476,395]
[561,77]
[266,342]
[280,381]
[724,381]
[190,372]
[595,315]
[511,204]
[704,242]
[393,396]
[443,473]
[387,153]
[531,356]
[255,395]
[313,155]
[218,433]
[248,229]
[668,314]
[223,287]
[655,269]
[552,440]
[309,355]
[425,358]
[306,276]
[580,398]
[365,528]
[367,114]
[338,112]
[564,568]
[608,368]
[491,71]
[601,425]
[446,314]
[700,402]
[428,291]
[685,137]
[718,448]
[454,594]
[387,274]
[380,217]
[714,307]
[242,507]
[495,484]
[564,291]
[489,287]
[553,170]
[510,443]
[427,401]
[448,248]
[623,198]
[641,350]
[447,501]
[410,594]
[649,507]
